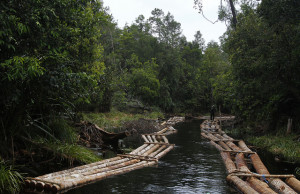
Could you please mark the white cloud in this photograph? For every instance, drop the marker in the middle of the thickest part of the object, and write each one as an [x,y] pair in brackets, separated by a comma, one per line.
[183,11]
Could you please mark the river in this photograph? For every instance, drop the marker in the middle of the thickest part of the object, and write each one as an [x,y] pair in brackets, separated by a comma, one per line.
[193,166]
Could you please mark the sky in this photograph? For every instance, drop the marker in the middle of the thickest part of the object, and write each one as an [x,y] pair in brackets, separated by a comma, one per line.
[126,11]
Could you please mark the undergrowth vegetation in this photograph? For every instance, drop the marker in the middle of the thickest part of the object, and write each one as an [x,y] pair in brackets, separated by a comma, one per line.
[115,119]
[10,179]
[283,145]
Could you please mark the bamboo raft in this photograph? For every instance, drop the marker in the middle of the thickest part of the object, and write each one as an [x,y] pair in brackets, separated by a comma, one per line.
[156,145]
[237,158]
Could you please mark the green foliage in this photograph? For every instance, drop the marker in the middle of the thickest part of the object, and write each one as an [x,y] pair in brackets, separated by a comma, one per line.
[265,69]
[10,180]
[116,119]
[281,145]
[69,151]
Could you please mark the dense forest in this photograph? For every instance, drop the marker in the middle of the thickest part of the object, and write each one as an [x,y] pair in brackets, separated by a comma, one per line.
[61,57]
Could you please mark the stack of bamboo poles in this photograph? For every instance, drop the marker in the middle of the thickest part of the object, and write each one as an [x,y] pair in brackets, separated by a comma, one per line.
[156,145]
[238,158]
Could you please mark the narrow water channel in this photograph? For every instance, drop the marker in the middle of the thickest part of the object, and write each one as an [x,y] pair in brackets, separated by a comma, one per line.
[193,166]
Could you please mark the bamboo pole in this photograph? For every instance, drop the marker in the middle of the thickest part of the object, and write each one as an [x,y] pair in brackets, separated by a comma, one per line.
[224,145]
[230,166]
[262,175]
[161,154]
[240,163]
[217,146]
[294,183]
[281,187]
[233,146]
[93,165]
[260,186]
[243,146]
[241,185]
[258,165]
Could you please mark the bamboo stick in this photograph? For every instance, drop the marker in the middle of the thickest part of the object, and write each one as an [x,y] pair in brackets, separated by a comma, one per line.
[244,152]
[262,175]
[294,183]
[241,185]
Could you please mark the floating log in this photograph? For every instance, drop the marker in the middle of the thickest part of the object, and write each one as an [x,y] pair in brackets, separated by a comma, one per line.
[294,183]
[218,140]
[241,185]
[143,156]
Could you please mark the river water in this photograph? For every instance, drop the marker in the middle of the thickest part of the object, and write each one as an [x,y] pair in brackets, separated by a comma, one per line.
[193,166]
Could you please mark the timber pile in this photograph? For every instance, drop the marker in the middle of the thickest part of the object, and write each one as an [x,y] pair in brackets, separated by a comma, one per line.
[156,145]
[238,157]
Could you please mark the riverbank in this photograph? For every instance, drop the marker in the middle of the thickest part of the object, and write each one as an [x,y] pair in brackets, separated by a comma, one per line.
[36,156]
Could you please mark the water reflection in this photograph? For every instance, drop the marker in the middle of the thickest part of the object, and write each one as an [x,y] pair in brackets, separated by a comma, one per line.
[193,166]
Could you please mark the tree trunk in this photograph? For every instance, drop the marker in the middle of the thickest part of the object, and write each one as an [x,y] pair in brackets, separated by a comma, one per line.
[289,126]
[234,21]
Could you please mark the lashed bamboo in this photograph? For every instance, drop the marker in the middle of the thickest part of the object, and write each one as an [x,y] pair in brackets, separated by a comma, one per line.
[117,165]
[260,186]
[241,185]
[69,171]
[294,183]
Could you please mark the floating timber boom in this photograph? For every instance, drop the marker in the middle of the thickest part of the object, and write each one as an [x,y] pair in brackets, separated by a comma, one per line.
[233,153]
[156,146]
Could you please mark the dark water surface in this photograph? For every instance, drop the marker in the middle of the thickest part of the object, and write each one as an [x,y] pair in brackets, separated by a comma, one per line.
[193,166]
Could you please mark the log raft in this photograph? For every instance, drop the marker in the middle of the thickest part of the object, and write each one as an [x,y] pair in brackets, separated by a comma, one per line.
[156,145]
[234,152]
